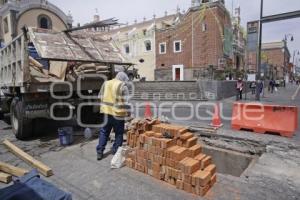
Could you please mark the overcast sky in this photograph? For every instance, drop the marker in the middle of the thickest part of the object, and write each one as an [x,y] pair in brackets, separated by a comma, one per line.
[129,10]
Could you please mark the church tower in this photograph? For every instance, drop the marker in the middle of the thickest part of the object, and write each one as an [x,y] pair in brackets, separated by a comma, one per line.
[196,3]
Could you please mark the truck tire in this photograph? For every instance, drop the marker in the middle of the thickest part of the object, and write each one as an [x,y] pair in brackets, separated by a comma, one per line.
[21,126]
[1,114]
[88,116]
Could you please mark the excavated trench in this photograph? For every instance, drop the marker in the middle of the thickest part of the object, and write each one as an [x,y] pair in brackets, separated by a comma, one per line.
[231,156]
[229,162]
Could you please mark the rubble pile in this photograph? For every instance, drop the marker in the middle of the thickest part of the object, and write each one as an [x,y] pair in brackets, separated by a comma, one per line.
[170,153]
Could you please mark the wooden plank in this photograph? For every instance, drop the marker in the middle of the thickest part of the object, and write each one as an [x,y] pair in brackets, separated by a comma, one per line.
[58,69]
[41,167]
[5,178]
[35,63]
[10,169]
[194,128]
[204,127]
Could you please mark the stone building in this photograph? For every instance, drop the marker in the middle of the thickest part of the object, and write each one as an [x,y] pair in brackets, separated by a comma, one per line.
[199,43]
[239,42]
[14,14]
[275,56]
[275,59]
[137,41]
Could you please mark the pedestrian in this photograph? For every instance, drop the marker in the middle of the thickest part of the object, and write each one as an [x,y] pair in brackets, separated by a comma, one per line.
[260,86]
[284,83]
[272,85]
[114,107]
[253,87]
[239,89]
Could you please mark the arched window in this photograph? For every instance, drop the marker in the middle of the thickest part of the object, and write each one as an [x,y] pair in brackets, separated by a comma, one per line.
[44,22]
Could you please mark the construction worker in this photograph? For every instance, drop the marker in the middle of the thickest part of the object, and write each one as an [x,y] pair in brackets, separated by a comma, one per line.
[113,96]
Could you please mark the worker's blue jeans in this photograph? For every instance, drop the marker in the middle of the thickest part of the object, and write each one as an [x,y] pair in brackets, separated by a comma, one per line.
[118,126]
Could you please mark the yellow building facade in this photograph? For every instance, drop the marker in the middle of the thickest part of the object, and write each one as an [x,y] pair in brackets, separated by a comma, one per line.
[15,14]
[137,42]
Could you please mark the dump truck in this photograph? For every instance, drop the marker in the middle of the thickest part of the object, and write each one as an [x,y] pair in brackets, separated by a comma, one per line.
[54,75]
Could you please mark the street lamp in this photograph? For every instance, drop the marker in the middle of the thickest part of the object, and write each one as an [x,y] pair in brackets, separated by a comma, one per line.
[296,52]
[257,95]
[286,37]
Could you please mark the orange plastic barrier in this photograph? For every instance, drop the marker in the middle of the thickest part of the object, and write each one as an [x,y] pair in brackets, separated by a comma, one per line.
[265,118]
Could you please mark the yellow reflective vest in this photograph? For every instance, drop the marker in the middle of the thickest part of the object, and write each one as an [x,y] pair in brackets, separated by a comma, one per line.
[112,99]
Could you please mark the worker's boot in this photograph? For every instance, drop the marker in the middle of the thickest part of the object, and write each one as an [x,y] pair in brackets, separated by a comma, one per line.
[99,156]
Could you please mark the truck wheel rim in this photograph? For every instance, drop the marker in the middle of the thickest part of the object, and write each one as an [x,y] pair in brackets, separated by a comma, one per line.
[15,122]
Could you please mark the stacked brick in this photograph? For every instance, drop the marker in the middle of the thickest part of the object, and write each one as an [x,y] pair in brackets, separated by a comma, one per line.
[170,153]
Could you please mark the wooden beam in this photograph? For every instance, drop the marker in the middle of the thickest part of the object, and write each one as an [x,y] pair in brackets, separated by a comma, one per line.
[10,169]
[5,178]
[41,167]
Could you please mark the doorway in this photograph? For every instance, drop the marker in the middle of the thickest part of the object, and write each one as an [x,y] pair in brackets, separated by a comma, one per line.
[178,72]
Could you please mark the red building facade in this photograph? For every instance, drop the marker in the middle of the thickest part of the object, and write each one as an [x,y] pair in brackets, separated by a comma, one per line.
[195,44]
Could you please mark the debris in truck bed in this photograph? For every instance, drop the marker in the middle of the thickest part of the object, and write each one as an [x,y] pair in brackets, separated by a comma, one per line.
[170,153]
[58,69]
[37,73]
[41,167]
[41,77]
[12,170]
[35,63]
[71,47]
[90,69]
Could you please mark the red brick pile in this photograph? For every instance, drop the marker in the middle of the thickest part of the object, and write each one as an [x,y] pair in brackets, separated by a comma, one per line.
[170,153]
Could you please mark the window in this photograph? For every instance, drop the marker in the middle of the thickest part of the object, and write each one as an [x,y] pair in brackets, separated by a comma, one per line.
[44,22]
[148,45]
[144,32]
[127,49]
[5,25]
[162,48]
[177,46]
[204,27]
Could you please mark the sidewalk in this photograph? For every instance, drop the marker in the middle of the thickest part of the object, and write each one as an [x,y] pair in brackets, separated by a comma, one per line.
[283,96]
[289,96]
